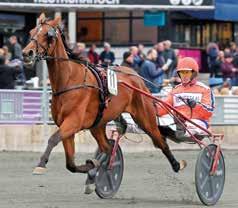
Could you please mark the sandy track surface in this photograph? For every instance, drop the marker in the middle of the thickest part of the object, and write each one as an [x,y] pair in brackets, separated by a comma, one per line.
[148,182]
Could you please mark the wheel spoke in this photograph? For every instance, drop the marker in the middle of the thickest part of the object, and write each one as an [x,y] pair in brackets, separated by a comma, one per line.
[206,165]
[204,182]
[117,163]
[211,182]
[110,179]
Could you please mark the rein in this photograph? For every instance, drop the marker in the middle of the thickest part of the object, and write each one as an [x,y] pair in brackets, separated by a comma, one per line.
[88,65]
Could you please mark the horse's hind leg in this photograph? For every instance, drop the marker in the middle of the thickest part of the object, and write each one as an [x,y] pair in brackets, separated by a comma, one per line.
[99,134]
[149,125]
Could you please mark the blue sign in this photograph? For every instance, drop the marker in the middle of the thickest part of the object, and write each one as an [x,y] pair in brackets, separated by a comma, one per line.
[154,18]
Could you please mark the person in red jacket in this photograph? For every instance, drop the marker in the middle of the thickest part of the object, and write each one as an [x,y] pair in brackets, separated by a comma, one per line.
[192,98]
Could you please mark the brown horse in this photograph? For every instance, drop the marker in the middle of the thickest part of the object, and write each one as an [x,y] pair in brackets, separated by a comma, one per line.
[75,100]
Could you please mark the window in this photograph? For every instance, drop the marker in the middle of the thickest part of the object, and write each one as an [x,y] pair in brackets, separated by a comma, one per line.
[201,34]
[143,34]
[89,30]
[117,31]
[116,27]
[89,27]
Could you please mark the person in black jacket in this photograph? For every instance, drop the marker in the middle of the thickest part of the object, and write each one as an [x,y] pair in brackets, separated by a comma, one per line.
[15,48]
[128,59]
[107,57]
[7,75]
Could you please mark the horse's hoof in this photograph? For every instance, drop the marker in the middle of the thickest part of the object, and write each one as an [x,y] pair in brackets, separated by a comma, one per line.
[182,164]
[39,171]
[89,188]
[85,168]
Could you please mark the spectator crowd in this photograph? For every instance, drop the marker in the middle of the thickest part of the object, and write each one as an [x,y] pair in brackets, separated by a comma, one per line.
[157,65]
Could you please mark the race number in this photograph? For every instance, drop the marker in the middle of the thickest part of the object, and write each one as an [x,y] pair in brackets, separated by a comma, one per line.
[112,82]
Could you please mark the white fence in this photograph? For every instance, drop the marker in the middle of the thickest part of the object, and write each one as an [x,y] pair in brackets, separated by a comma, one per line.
[28,107]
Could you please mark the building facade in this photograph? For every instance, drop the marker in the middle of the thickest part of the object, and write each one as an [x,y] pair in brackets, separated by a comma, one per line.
[120,22]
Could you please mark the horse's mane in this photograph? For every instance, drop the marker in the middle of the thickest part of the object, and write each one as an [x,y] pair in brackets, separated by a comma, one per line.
[68,50]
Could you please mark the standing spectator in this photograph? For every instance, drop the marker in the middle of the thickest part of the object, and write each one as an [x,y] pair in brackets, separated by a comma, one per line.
[15,48]
[6,53]
[92,54]
[80,52]
[141,52]
[128,59]
[233,48]
[235,58]
[229,72]
[20,76]
[7,75]
[169,57]
[160,50]
[175,79]
[212,54]
[107,57]
[150,72]
[217,73]
[137,59]
[2,52]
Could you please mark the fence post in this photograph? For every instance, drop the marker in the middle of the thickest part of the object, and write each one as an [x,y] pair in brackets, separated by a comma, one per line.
[45,98]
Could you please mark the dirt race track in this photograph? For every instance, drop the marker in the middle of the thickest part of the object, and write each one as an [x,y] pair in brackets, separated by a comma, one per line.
[148,182]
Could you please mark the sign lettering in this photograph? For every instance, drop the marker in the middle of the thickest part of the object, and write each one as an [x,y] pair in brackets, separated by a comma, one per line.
[77,1]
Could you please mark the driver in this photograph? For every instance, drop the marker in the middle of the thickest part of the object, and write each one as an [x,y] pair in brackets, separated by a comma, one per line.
[193,99]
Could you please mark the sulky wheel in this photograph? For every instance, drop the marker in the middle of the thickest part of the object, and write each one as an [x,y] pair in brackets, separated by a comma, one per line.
[108,181]
[209,187]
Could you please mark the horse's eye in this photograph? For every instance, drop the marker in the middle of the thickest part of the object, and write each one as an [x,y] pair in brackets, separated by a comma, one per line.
[51,34]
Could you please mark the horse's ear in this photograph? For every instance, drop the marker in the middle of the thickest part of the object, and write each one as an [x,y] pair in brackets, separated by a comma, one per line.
[57,20]
[41,18]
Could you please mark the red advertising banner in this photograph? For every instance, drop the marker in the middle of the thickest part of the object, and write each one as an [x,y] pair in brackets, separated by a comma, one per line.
[194,53]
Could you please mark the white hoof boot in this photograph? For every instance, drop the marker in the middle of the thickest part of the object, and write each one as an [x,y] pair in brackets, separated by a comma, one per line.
[183,164]
[39,171]
[89,188]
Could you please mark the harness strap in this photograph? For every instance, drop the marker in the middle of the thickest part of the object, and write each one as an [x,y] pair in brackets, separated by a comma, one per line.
[102,96]
[102,91]
[73,88]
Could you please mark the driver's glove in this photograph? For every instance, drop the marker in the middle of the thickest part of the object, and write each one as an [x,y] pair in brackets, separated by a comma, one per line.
[191,103]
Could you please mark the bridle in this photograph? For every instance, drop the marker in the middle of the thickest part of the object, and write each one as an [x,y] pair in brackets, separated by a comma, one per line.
[51,35]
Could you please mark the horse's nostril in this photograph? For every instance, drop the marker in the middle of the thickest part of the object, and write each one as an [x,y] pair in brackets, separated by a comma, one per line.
[28,53]
[31,53]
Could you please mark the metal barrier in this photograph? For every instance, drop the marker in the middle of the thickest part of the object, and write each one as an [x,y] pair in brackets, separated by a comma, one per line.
[226,111]
[28,107]
[22,107]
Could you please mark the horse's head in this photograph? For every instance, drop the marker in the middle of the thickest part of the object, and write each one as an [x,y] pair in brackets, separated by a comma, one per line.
[43,40]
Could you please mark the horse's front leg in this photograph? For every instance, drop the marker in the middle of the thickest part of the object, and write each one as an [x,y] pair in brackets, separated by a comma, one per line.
[69,127]
[52,142]
[69,148]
